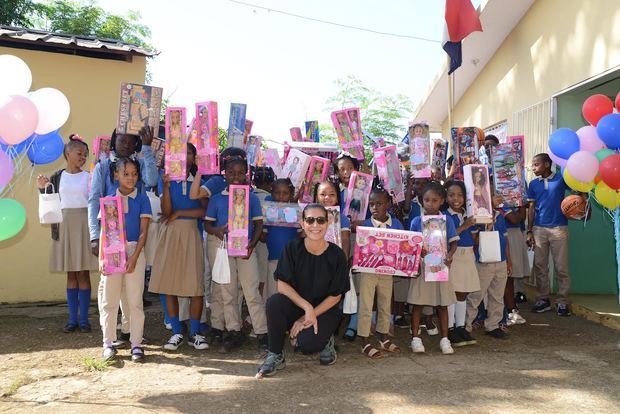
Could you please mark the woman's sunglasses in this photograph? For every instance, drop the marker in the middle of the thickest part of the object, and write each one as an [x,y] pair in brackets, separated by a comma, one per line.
[320,220]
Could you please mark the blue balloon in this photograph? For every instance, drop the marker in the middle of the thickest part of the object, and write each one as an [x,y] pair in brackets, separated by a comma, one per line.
[19,147]
[608,130]
[564,142]
[46,149]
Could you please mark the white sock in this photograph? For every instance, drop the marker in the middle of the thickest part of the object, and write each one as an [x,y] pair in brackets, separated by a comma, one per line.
[459,313]
[451,316]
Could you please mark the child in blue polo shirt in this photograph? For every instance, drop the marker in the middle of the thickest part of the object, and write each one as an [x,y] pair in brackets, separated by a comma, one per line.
[225,311]
[493,278]
[263,178]
[515,224]
[130,284]
[548,230]
[371,283]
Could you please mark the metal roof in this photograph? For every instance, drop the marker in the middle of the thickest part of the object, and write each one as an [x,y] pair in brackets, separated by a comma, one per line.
[67,43]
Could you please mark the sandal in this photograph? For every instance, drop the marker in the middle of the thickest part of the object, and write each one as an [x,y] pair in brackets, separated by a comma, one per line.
[349,337]
[371,352]
[389,346]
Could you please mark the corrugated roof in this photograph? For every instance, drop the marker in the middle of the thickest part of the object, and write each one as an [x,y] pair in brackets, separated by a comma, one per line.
[69,41]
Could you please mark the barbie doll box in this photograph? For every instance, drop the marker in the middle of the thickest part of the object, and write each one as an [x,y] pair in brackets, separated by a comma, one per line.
[238,220]
[387,251]
[140,106]
[102,147]
[348,127]
[281,214]
[113,234]
[479,202]
[436,246]
[175,162]
[509,181]
[317,172]
[388,170]
[207,140]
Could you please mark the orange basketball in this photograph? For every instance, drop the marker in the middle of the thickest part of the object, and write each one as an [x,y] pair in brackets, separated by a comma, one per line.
[574,207]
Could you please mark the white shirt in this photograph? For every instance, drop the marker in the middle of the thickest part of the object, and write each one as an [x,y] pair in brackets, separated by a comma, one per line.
[74,190]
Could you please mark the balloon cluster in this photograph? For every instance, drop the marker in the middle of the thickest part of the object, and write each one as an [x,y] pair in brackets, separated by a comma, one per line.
[590,158]
[29,121]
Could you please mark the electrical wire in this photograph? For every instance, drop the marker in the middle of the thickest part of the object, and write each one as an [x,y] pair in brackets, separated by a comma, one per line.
[363,29]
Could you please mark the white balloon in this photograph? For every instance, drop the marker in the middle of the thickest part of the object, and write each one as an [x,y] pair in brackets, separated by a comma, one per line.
[15,78]
[53,109]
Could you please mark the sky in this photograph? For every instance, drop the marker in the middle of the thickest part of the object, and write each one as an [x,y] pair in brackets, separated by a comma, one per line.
[282,67]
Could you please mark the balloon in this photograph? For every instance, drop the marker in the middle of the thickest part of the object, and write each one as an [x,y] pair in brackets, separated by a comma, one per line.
[18,118]
[12,218]
[53,109]
[606,196]
[16,76]
[577,185]
[588,140]
[46,148]
[564,142]
[618,101]
[610,171]
[582,166]
[608,130]
[559,161]
[604,153]
[6,169]
[18,148]
[596,107]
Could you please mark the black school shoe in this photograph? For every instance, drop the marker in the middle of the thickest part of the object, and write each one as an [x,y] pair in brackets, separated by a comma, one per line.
[497,333]
[520,297]
[137,354]
[455,338]
[466,336]
[232,340]
[214,336]
[70,327]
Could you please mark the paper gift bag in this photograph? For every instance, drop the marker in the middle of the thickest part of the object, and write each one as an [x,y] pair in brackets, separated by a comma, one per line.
[221,267]
[349,305]
[489,247]
[49,207]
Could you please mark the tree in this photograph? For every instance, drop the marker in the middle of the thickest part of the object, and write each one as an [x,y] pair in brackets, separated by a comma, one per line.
[16,12]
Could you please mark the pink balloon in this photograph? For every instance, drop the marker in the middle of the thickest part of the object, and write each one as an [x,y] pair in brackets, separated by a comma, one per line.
[559,161]
[6,169]
[18,118]
[589,140]
[582,166]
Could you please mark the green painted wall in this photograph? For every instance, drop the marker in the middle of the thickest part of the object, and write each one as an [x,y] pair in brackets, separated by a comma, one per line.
[592,260]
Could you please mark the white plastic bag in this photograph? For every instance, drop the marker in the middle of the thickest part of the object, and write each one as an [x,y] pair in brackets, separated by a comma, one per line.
[350,299]
[489,248]
[221,268]
[49,207]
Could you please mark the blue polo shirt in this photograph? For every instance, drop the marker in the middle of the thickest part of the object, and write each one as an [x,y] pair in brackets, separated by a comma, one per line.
[217,211]
[215,185]
[548,194]
[391,223]
[466,238]
[138,206]
[500,227]
[416,225]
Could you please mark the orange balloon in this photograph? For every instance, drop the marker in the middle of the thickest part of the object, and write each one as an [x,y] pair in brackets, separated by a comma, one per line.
[597,179]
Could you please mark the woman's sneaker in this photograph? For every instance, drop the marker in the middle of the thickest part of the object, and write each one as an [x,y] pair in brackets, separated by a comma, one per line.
[273,362]
[328,355]
[198,342]
[445,346]
[417,346]
[174,342]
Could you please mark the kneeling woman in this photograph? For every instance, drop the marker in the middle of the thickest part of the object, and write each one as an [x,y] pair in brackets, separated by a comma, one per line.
[312,275]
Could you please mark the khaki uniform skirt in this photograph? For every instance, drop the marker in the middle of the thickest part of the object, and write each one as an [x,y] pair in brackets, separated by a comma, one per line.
[422,292]
[463,271]
[71,252]
[518,253]
[178,265]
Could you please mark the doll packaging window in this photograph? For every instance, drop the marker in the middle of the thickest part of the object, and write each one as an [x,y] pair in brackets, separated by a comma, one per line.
[247,132]
[420,150]
[205,127]
[317,172]
[113,235]
[159,151]
[387,251]
[238,220]
[348,125]
[334,227]
[252,149]
[436,246]
[388,170]
[358,191]
[466,142]
[479,202]
[312,131]
[296,134]
[236,125]
[281,214]
[140,106]
[440,155]
[296,167]
[508,177]
[101,147]
[176,144]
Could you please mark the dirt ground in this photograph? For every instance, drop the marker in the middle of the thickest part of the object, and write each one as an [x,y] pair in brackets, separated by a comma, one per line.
[551,364]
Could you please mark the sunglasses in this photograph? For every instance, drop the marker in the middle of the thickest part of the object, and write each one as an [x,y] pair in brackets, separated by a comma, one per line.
[319,220]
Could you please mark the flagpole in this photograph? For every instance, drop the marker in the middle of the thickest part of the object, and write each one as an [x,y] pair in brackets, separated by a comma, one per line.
[450,96]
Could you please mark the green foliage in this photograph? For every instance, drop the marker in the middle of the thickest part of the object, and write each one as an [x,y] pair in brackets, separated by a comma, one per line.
[17,12]
[93,364]
[223,139]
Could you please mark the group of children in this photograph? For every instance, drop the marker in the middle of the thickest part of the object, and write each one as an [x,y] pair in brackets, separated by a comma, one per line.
[193,224]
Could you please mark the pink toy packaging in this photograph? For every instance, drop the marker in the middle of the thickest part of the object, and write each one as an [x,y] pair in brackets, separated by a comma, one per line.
[358,191]
[101,147]
[281,214]
[388,170]
[238,220]
[272,159]
[296,134]
[176,144]
[113,235]
[140,106]
[477,184]
[436,246]
[317,172]
[387,251]
[207,137]
[348,126]
[334,228]
[420,150]
[296,167]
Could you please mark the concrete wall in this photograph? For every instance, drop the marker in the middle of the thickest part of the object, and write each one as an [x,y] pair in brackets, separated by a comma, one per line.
[92,87]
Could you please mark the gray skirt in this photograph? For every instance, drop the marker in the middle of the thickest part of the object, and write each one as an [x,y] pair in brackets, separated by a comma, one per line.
[518,253]
[422,292]
[71,252]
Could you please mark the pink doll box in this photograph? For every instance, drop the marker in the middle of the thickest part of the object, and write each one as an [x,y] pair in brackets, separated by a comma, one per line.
[296,134]
[101,147]
[113,234]
[479,202]
[139,106]
[281,214]
[176,144]
[272,159]
[387,251]
[358,191]
[207,140]
[238,220]
[420,150]
[334,228]
[317,172]
[296,167]
[349,131]
[388,170]
[436,246]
